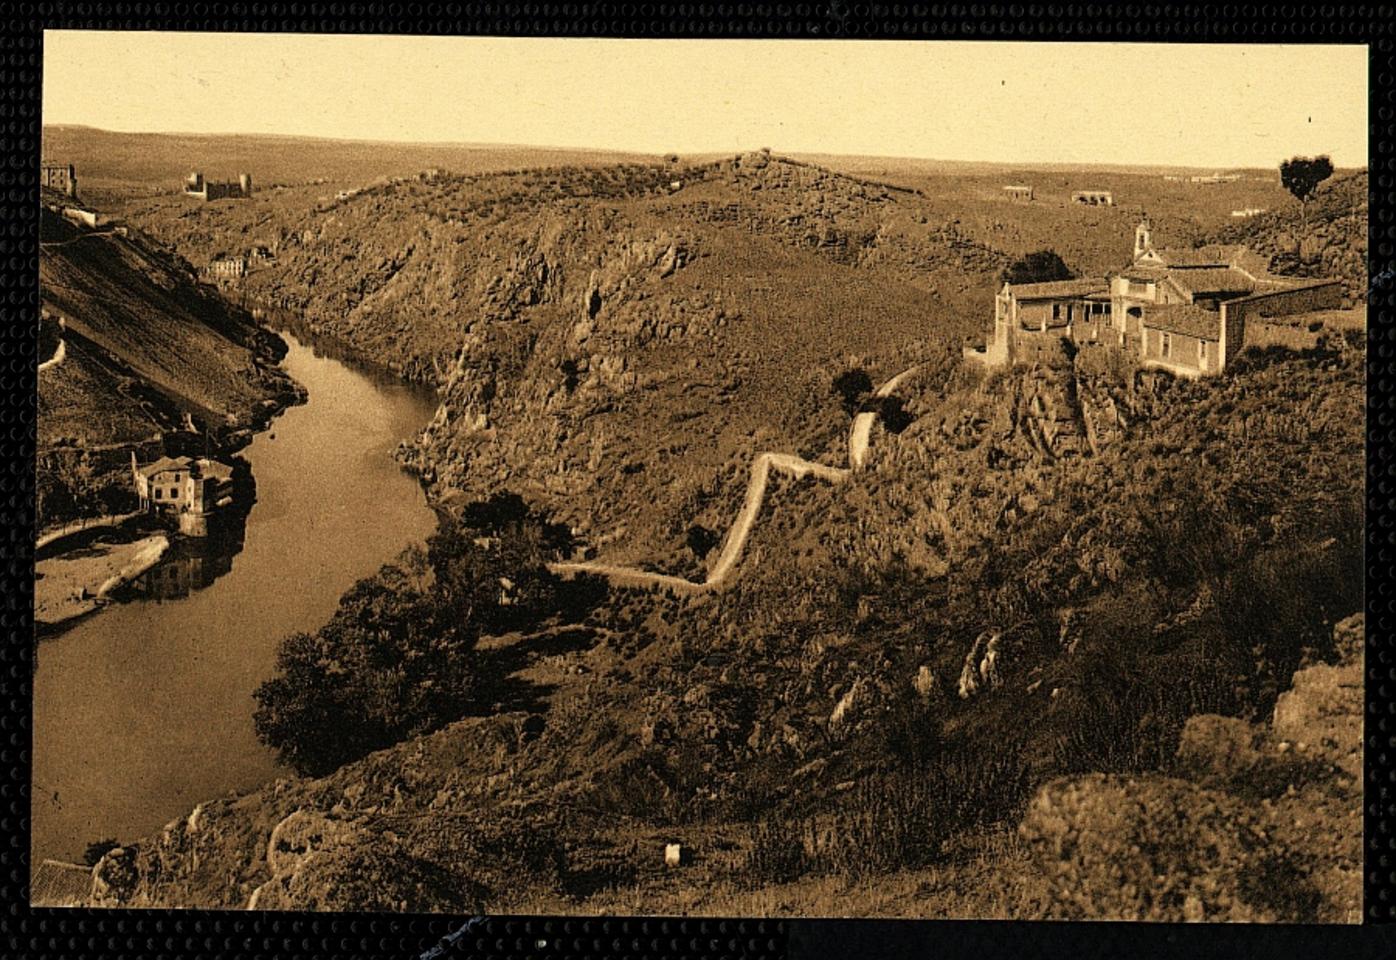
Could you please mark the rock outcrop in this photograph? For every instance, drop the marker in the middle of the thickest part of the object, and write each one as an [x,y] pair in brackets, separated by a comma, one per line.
[1251,823]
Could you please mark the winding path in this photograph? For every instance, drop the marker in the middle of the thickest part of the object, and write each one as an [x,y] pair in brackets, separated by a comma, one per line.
[740,531]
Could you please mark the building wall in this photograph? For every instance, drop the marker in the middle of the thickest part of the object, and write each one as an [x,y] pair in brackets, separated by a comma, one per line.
[1185,354]
[59,176]
[1278,303]
[1035,314]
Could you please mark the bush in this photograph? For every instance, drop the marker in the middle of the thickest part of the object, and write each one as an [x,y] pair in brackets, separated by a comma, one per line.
[398,658]
[896,821]
[1039,266]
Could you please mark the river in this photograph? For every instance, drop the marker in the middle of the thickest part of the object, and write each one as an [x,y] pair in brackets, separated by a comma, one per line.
[145,709]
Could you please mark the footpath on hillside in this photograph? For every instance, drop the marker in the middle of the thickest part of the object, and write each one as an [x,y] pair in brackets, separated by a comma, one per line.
[737,536]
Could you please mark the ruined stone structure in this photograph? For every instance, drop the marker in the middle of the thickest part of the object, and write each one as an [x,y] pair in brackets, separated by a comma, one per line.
[227,268]
[196,186]
[1018,192]
[62,177]
[1182,310]
[1103,198]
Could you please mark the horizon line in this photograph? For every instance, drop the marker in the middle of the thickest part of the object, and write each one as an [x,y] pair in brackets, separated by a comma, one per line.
[477,144]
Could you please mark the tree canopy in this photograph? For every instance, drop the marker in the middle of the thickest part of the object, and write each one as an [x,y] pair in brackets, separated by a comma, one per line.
[398,657]
[1302,175]
[1039,266]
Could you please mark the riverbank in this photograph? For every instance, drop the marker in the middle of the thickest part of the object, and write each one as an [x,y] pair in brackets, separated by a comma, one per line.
[128,699]
[78,583]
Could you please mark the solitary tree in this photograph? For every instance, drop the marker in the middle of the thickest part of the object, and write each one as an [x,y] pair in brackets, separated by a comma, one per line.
[1039,266]
[1302,175]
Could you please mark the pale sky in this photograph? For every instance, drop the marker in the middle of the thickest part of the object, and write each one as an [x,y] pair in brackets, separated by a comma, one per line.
[1192,105]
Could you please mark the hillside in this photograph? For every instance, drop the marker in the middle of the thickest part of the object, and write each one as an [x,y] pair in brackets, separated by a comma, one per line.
[1039,596]
[815,720]
[605,337]
[1328,239]
[143,347]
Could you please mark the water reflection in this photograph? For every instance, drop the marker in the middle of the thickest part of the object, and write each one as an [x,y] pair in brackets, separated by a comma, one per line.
[193,563]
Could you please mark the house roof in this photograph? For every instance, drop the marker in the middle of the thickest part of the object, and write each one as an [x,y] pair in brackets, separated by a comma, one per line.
[1212,280]
[1058,289]
[57,884]
[1183,318]
[163,464]
[1143,270]
[214,470]
[1211,255]
[206,467]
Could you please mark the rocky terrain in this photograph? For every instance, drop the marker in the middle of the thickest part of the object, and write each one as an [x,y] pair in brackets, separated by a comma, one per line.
[605,336]
[1065,596]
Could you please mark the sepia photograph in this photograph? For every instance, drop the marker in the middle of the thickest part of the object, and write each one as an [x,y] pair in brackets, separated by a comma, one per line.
[721,478]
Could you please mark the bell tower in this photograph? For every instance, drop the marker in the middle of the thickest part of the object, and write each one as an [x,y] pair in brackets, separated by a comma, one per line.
[1142,240]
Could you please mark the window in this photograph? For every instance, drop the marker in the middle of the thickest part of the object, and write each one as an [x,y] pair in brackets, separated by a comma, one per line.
[159,494]
[1056,311]
[1166,347]
[1202,353]
[1069,309]
[174,493]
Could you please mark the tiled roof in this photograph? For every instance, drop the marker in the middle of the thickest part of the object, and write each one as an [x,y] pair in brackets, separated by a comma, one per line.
[57,884]
[214,470]
[1211,255]
[1054,289]
[1143,271]
[1212,280]
[1184,318]
[165,463]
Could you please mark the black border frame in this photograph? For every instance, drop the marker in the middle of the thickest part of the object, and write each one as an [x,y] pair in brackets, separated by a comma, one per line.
[29,932]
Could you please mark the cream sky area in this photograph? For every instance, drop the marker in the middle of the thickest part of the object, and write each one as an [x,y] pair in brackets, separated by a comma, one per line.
[1195,105]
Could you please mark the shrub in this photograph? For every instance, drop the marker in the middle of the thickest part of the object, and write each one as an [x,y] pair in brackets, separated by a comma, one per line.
[1039,266]
[398,657]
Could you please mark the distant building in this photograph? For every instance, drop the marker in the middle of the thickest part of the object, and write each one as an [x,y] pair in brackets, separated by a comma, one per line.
[227,268]
[1247,211]
[62,177]
[1018,192]
[196,186]
[189,489]
[1180,309]
[1093,198]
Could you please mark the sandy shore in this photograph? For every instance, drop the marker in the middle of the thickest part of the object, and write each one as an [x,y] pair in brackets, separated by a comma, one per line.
[76,583]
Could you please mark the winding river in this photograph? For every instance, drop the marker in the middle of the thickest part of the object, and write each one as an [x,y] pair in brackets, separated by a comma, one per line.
[145,709]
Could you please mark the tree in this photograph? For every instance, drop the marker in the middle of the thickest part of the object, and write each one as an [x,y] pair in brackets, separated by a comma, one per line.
[97,850]
[853,386]
[1039,266]
[1302,175]
[398,658]
[701,540]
